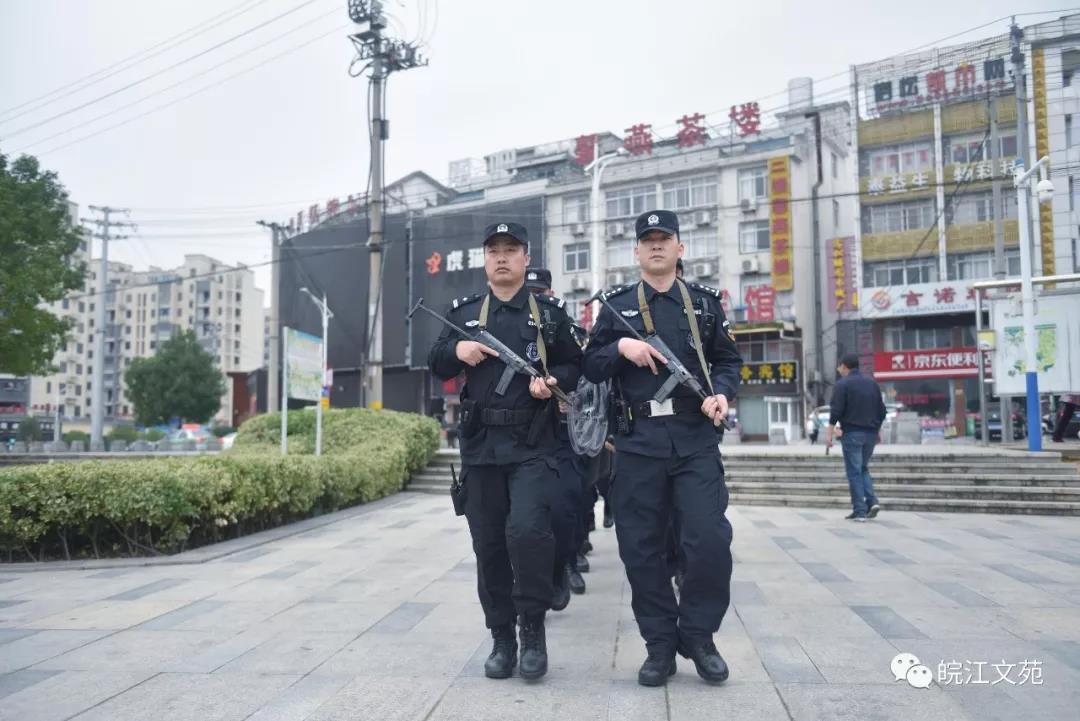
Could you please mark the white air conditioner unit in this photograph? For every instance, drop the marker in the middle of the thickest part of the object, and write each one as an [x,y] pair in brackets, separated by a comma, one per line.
[616,230]
[751,265]
[748,205]
[579,282]
[616,278]
[577,229]
[704,270]
[704,217]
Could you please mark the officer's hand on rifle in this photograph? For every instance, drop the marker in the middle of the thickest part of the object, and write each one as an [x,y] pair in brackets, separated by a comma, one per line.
[472,352]
[715,407]
[541,387]
[640,353]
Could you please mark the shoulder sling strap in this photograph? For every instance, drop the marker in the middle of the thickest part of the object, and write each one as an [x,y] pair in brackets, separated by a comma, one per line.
[650,329]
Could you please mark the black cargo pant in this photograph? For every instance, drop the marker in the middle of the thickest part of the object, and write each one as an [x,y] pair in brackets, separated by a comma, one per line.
[647,492]
[566,505]
[509,514]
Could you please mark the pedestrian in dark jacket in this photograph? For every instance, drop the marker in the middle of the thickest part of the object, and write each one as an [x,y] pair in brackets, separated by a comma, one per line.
[859,409]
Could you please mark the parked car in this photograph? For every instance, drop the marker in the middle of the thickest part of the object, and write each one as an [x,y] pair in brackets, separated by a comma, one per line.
[204,439]
[994,425]
[227,441]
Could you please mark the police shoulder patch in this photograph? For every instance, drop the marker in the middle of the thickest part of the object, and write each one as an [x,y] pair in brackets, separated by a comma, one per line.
[458,302]
[715,292]
[557,302]
[617,290]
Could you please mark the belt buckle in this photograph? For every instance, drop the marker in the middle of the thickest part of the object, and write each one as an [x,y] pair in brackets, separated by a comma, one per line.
[658,408]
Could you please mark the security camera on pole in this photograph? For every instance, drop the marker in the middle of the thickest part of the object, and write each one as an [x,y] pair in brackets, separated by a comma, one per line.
[1045,190]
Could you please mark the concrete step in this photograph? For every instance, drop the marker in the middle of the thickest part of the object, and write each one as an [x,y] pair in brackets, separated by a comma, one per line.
[430,488]
[914,504]
[1004,493]
[797,475]
[1056,468]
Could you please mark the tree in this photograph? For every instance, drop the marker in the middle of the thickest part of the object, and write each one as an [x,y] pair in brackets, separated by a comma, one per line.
[29,430]
[181,381]
[37,247]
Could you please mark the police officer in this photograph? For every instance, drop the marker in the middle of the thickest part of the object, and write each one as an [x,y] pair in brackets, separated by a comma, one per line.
[508,445]
[566,495]
[668,454]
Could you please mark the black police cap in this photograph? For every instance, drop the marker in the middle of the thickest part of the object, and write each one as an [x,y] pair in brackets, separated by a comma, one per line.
[538,278]
[514,231]
[663,220]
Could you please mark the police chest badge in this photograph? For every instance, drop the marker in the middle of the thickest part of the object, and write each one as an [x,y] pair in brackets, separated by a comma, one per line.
[532,352]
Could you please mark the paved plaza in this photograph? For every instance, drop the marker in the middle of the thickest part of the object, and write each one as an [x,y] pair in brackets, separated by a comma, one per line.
[371,614]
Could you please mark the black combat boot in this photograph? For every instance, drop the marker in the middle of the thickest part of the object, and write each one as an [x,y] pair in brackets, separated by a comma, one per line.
[609,515]
[710,664]
[657,668]
[561,598]
[503,658]
[581,564]
[534,660]
[577,583]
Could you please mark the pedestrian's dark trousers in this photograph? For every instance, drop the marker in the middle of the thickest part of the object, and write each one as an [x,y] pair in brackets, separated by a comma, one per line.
[509,514]
[646,492]
[566,505]
[1064,416]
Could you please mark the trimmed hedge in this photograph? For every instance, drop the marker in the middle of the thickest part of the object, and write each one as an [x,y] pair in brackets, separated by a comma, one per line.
[163,505]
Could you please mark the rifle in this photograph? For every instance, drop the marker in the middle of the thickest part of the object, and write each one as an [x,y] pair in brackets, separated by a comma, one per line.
[514,362]
[679,372]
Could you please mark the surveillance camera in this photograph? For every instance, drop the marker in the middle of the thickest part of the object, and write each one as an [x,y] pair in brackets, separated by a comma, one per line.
[1045,191]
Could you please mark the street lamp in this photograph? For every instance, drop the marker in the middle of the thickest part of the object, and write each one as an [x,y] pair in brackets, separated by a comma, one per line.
[327,314]
[1045,190]
[595,247]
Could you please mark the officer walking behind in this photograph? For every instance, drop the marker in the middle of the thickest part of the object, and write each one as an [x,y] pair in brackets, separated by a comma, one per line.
[566,494]
[859,409]
[508,445]
[668,459]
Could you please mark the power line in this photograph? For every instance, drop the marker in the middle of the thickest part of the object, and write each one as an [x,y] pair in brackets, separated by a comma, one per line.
[162,71]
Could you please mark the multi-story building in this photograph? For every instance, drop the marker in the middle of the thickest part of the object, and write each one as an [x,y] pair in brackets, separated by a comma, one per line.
[217,301]
[936,131]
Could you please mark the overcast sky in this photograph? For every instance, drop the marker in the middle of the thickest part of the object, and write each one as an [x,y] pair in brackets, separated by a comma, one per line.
[503,73]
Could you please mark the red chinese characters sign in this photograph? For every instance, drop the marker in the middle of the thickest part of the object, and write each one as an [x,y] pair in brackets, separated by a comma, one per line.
[747,118]
[780,223]
[760,303]
[916,364]
[843,293]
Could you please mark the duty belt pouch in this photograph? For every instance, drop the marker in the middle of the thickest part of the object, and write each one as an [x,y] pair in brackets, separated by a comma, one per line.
[540,421]
[470,418]
[621,415]
[458,492]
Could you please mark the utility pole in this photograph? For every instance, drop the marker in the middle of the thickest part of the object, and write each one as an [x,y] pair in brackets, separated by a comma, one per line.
[273,373]
[596,245]
[999,209]
[384,56]
[105,224]
[819,339]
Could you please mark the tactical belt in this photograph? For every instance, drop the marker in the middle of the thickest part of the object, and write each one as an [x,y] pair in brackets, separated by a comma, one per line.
[670,407]
[506,417]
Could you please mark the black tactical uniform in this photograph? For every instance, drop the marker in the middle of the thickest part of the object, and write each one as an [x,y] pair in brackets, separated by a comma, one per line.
[507,451]
[670,463]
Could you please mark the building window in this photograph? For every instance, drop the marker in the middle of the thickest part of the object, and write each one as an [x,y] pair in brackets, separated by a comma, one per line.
[754,183]
[153,344]
[701,243]
[976,148]
[905,158]
[754,236]
[575,209]
[897,217]
[760,351]
[978,208]
[236,345]
[899,272]
[628,202]
[63,367]
[82,307]
[237,328]
[620,253]
[48,386]
[65,304]
[835,165]
[236,360]
[835,214]
[976,266]
[897,337]
[575,257]
[91,307]
[127,345]
[691,193]
[238,297]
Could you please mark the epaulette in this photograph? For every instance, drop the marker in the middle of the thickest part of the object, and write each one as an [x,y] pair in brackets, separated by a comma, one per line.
[612,292]
[706,289]
[557,302]
[458,302]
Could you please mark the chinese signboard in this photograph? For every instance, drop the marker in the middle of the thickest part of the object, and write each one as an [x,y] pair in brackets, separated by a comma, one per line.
[937,363]
[957,73]
[303,365]
[780,373]
[843,292]
[780,222]
[917,299]
[747,118]
[760,303]
[1042,147]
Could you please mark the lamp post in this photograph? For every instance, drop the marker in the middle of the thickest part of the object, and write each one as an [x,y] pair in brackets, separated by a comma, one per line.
[1045,189]
[327,314]
[596,167]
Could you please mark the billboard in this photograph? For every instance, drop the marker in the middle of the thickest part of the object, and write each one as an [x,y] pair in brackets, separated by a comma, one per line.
[950,296]
[1057,350]
[303,365]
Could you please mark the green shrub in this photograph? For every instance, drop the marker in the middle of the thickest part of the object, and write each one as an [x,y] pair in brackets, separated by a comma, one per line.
[152,435]
[72,436]
[222,431]
[29,430]
[128,434]
[110,507]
